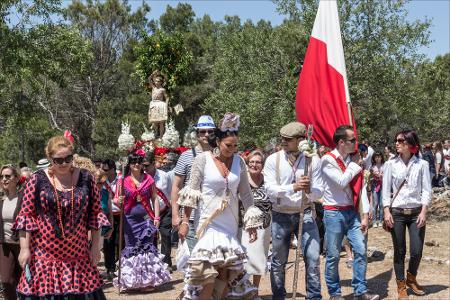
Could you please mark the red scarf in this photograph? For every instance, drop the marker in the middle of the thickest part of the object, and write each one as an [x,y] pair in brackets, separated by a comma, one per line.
[356,183]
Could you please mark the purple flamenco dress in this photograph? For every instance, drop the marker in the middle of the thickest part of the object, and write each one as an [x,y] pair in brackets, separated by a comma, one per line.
[141,264]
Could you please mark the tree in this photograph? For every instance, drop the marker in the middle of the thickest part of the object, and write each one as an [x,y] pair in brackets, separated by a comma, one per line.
[255,76]
[111,29]
[381,50]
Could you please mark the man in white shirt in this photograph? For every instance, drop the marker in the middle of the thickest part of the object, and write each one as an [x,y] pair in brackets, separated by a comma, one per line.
[340,174]
[163,184]
[285,182]
[446,155]
[368,158]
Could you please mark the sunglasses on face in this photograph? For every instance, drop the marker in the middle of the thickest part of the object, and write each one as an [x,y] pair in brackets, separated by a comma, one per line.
[353,140]
[211,131]
[7,177]
[400,140]
[105,170]
[60,160]
[135,161]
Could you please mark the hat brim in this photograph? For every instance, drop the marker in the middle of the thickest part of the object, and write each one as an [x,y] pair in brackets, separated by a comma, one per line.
[205,127]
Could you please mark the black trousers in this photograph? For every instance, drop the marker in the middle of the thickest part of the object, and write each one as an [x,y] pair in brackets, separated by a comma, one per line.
[109,247]
[416,240]
[165,230]
[9,270]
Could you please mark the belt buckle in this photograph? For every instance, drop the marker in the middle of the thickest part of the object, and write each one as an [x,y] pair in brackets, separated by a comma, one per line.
[407,211]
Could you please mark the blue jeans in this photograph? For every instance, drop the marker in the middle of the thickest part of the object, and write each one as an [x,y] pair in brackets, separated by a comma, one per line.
[282,227]
[377,206]
[338,224]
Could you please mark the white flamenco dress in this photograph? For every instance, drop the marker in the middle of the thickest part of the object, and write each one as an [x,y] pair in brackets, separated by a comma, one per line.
[217,246]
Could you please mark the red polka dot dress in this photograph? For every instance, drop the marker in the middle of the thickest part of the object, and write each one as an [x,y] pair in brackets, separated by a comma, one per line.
[60,265]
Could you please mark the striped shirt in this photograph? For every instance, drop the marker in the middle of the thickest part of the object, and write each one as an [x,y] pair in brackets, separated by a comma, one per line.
[184,163]
[184,166]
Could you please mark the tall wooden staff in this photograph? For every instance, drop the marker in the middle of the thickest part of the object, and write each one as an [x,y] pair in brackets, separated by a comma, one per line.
[121,197]
[126,142]
[307,151]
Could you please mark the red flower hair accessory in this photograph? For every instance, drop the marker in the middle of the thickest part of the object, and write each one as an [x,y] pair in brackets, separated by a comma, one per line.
[159,151]
[414,149]
[140,152]
[68,135]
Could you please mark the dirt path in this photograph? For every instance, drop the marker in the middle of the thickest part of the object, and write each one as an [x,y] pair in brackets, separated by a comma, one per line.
[433,276]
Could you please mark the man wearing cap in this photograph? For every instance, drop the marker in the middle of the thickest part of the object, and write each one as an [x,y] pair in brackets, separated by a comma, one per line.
[204,128]
[285,182]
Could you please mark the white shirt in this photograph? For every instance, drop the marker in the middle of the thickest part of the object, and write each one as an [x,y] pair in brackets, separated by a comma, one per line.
[417,189]
[446,161]
[164,183]
[336,189]
[282,194]
[368,159]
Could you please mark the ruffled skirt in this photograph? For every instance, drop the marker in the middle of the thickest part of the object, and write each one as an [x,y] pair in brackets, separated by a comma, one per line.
[141,264]
[60,277]
[157,111]
[214,250]
[96,295]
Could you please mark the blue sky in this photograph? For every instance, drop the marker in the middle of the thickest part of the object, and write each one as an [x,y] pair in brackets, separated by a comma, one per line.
[437,10]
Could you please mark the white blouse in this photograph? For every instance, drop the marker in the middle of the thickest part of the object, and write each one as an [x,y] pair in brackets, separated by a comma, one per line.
[416,191]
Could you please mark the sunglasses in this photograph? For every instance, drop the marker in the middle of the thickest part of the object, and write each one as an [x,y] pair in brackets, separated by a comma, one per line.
[135,161]
[400,141]
[353,140]
[206,131]
[7,177]
[60,160]
[106,170]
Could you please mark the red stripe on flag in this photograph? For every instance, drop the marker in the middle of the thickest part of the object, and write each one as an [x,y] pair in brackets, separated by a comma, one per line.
[320,98]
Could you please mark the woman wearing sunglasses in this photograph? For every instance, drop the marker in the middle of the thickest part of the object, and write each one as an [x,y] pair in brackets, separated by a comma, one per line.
[60,206]
[141,264]
[9,240]
[408,177]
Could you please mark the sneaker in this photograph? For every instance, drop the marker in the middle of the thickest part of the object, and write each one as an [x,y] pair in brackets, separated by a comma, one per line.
[367,296]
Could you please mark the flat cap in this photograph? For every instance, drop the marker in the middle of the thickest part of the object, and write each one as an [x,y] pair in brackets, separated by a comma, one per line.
[293,130]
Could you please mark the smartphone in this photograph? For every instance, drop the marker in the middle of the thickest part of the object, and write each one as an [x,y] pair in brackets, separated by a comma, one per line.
[27,273]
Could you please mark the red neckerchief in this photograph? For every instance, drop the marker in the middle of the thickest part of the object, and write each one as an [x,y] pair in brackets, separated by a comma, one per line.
[356,183]
[145,204]
[162,196]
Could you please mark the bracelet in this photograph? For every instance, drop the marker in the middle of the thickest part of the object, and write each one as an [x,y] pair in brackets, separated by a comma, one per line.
[157,218]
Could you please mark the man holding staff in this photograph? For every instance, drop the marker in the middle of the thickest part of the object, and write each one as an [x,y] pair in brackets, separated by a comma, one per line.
[285,180]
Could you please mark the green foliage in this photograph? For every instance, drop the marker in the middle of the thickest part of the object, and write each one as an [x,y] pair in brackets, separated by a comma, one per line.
[255,75]
[381,53]
[166,53]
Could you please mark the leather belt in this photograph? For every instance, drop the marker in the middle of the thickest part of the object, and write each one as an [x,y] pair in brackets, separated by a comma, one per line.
[339,208]
[407,211]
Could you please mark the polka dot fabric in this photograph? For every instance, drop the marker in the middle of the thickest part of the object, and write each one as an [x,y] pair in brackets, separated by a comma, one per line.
[60,266]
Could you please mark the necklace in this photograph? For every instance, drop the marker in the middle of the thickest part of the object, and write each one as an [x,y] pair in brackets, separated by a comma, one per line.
[225,172]
[59,207]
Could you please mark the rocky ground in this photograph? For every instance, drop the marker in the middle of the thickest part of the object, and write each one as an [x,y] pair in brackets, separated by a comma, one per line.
[434,271]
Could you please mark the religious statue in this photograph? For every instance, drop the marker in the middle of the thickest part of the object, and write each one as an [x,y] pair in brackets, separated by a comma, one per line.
[158,108]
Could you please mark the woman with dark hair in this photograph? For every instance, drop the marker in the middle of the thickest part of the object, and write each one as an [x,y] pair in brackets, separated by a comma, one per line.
[61,204]
[376,173]
[10,202]
[408,176]
[216,180]
[141,264]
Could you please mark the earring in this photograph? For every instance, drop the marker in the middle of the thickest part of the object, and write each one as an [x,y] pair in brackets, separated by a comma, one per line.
[216,151]
[72,168]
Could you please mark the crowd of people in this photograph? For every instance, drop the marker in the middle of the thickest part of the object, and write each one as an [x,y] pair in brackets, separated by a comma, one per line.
[234,214]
